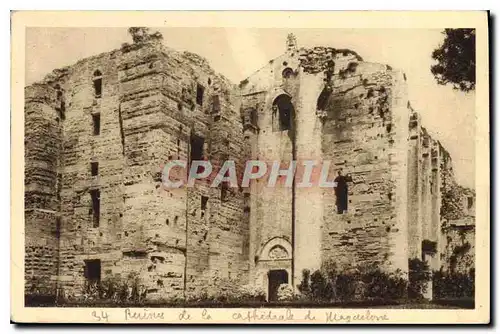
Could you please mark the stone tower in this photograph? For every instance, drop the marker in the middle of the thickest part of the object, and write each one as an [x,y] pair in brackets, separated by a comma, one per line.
[328,106]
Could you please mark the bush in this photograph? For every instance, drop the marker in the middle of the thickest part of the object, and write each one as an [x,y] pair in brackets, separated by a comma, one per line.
[305,285]
[453,285]
[419,276]
[345,286]
[115,289]
[285,292]
[224,290]
[318,285]
[359,284]
[381,285]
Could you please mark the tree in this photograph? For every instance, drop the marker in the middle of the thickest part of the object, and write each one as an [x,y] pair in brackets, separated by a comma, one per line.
[142,34]
[456,59]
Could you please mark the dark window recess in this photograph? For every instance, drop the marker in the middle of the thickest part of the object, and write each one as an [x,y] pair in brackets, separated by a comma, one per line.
[97,84]
[470,202]
[253,117]
[341,192]
[224,191]
[96,207]
[283,110]
[199,94]
[215,104]
[197,147]
[62,110]
[204,201]
[98,87]
[96,121]
[93,270]
[217,118]
[94,168]
[58,227]
[61,104]
[322,102]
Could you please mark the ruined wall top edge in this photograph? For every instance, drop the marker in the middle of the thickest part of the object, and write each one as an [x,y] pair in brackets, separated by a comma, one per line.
[126,54]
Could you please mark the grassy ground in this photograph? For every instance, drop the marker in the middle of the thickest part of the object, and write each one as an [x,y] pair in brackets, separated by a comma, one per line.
[375,304]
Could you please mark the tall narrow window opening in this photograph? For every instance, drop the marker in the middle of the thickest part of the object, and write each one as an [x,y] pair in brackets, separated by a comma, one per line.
[96,207]
[58,227]
[204,201]
[197,143]
[224,191]
[215,104]
[470,202]
[96,122]
[94,168]
[199,94]
[342,192]
[253,117]
[97,84]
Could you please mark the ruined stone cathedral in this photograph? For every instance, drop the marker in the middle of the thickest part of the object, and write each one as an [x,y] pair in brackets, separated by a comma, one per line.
[98,132]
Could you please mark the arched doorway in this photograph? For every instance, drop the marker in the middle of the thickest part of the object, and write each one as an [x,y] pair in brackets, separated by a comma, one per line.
[274,266]
[275,278]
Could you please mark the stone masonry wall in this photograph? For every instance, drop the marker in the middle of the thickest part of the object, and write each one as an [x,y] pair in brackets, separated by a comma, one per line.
[457,226]
[157,105]
[271,208]
[441,213]
[42,182]
[149,111]
[364,130]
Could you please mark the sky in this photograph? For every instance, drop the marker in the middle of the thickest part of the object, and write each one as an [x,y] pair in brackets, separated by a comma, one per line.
[448,114]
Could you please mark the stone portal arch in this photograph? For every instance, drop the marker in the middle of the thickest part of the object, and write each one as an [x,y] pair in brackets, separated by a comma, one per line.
[277,248]
[277,91]
[274,265]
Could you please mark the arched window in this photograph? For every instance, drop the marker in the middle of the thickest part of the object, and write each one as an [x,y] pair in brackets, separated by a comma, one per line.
[282,113]
[97,83]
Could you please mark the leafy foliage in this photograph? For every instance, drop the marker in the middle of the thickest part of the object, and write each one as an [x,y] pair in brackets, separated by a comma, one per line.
[452,207]
[419,275]
[330,285]
[305,284]
[460,252]
[225,290]
[285,292]
[391,286]
[143,35]
[450,285]
[116,289]
[456,59]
